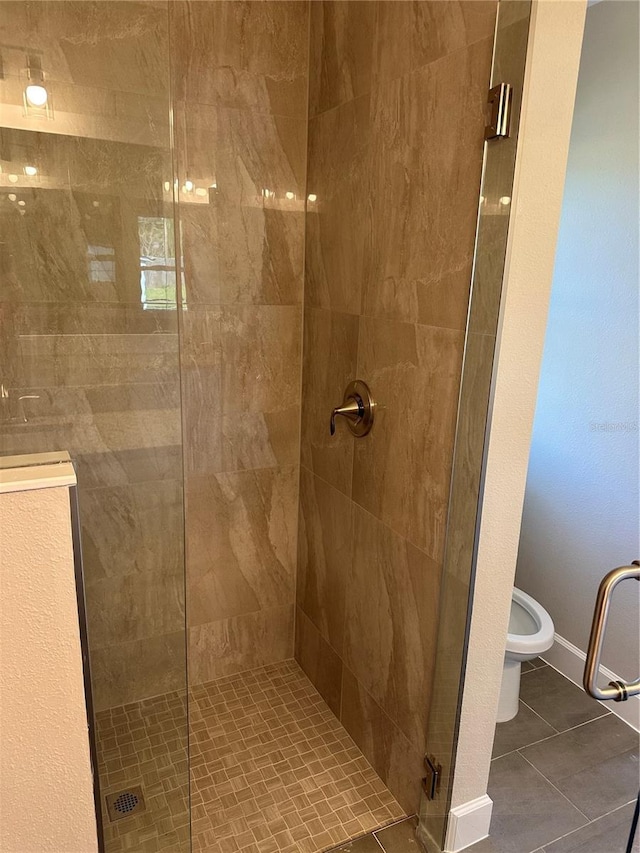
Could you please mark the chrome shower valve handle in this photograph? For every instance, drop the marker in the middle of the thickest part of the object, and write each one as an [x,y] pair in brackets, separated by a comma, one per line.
[353,410]
[358,408]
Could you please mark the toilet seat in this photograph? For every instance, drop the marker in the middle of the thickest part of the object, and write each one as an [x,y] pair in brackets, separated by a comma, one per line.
[535,624]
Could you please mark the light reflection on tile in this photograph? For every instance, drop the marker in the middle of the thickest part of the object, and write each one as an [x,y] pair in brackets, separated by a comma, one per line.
[244,245]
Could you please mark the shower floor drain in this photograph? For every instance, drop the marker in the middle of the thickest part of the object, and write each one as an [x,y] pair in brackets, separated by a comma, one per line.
[125,803]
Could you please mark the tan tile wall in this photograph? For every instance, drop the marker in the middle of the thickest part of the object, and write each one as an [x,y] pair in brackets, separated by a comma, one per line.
[397,98]
[388,250]
[240,88]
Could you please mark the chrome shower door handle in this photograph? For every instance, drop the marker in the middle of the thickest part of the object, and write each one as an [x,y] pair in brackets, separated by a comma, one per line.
[357,408]
[619,691]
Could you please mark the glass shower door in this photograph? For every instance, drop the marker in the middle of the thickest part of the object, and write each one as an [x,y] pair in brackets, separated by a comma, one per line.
[509,55]
[90,365]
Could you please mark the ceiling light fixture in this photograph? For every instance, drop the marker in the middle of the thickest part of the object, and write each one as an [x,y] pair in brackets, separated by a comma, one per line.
[36,95]
[31,171]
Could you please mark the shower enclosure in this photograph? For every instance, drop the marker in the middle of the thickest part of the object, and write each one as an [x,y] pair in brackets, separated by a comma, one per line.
[214,216]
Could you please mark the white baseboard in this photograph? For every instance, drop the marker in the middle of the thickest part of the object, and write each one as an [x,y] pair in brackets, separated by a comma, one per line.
[468,824]
[569,661]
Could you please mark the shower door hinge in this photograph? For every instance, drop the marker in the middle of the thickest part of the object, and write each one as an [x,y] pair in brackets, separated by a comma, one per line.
[500,102]
[431,782]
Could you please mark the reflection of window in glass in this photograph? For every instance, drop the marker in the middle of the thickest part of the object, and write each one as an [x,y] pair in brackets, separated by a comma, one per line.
[102,264]
[157,263]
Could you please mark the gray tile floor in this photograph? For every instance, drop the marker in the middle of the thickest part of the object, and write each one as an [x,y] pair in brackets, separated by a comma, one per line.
[564,775]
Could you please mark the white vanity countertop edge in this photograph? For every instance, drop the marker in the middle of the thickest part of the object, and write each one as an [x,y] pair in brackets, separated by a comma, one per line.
[37,477]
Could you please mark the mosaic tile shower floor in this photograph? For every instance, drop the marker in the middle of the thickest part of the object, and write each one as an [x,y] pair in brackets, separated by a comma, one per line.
[145,743]
[272,770]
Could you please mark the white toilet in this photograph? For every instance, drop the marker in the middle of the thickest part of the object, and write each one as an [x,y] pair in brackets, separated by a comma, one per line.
[530,634]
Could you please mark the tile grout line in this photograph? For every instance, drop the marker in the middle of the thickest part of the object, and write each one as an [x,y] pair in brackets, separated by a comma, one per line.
[586,722]
[388,826]
[564,797]
[580,828]
[549,737]
[377,840]
[533,711]
[570,729]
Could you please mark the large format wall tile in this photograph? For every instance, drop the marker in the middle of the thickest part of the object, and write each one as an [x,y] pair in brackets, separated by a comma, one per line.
[429,203]
[395,760]
[261,439]
[414,33]
[241,542]
[77,236]
[241,150]
[402,469]
[342,50]
[240,82]
[126,170]
[127,672]
[330,356]
[60,319]
[261,351]
[132,529]
[245,253]
[48,257]
[240,642]
[122,467]
[119,47]
[324,556]
[61,418]
[338,228]
[137,606]
[391,622]
[201,373]
[94,359]
[242,218]
[397,103]
[320,662]
[241,398]
[242,54]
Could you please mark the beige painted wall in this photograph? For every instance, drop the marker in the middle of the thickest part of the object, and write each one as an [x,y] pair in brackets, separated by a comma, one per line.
[46,796]
[554,54]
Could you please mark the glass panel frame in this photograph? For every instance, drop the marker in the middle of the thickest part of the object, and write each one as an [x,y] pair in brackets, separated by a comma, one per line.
[456,596]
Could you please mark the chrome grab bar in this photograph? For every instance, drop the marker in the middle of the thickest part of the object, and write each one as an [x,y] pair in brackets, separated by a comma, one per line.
[619,691]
